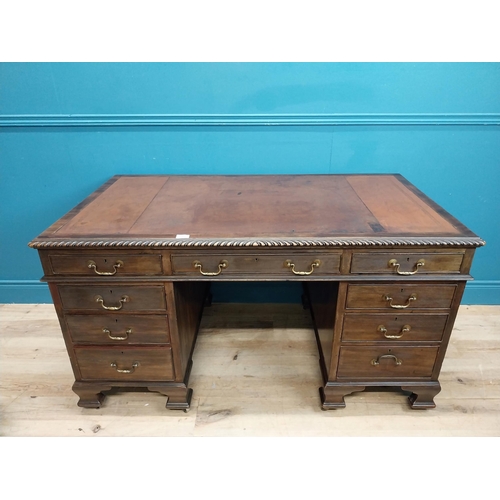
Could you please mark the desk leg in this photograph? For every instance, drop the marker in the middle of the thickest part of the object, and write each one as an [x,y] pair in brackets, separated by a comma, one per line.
[179,398]
[422,397]
[91,395]
[332,396]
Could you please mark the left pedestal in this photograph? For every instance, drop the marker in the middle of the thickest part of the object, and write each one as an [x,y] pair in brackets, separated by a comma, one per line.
[134,331]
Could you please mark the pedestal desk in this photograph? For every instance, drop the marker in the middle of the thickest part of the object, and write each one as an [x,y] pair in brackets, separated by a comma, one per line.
[383,269]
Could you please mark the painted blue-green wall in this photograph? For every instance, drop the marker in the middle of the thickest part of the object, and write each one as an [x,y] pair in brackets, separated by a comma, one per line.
[67,128]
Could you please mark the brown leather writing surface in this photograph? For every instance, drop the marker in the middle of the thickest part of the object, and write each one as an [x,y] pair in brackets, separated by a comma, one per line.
[288,206]
[260,206]
[397,208]
[117,208]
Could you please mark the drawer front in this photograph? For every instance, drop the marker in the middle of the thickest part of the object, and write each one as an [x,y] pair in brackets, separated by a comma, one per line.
[404,296]
[375,362]
[406,263]
[113,298]
[287,264]
[118,329]
[106,265]
[394,327]
[125,364]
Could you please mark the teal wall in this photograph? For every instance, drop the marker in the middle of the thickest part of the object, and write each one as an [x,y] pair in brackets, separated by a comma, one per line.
[67,128]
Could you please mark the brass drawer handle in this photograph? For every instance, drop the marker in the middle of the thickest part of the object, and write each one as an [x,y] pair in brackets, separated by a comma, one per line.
[291,265]
[125,370]
[222,265]
[410,299]
[394,263]
[383,329]
[92,265]
[376,362]
[115,337]
[124,299]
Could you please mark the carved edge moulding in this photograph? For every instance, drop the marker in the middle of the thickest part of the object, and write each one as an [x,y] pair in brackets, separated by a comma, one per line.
[262,242]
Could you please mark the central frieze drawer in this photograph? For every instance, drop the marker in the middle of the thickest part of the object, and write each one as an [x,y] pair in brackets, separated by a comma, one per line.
[386,362]
[106,264]
[113,298]
[125,364]
[286,264]
[389,327]
[118,329]
[403,296]
[405,264]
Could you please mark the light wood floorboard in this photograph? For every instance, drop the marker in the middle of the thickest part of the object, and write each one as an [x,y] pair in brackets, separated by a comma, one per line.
[255,373]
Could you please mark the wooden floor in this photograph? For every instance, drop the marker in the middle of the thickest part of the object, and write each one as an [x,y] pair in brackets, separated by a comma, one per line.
[255,373]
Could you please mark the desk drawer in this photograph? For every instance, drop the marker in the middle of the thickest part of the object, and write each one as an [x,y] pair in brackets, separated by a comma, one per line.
[394,327]
[403,296]
[372,362]
[406,263]
[118,329]
[113,298]
[125,364]
[288,264]
[106,264]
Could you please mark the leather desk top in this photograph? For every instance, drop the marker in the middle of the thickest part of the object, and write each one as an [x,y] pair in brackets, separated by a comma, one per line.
[271,210]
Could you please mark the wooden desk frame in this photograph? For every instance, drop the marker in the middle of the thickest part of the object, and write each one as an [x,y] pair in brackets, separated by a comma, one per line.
[383,294]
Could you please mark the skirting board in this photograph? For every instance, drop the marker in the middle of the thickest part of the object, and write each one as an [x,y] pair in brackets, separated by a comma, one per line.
[33,292]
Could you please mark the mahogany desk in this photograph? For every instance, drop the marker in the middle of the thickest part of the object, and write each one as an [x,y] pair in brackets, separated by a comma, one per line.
[383,267]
